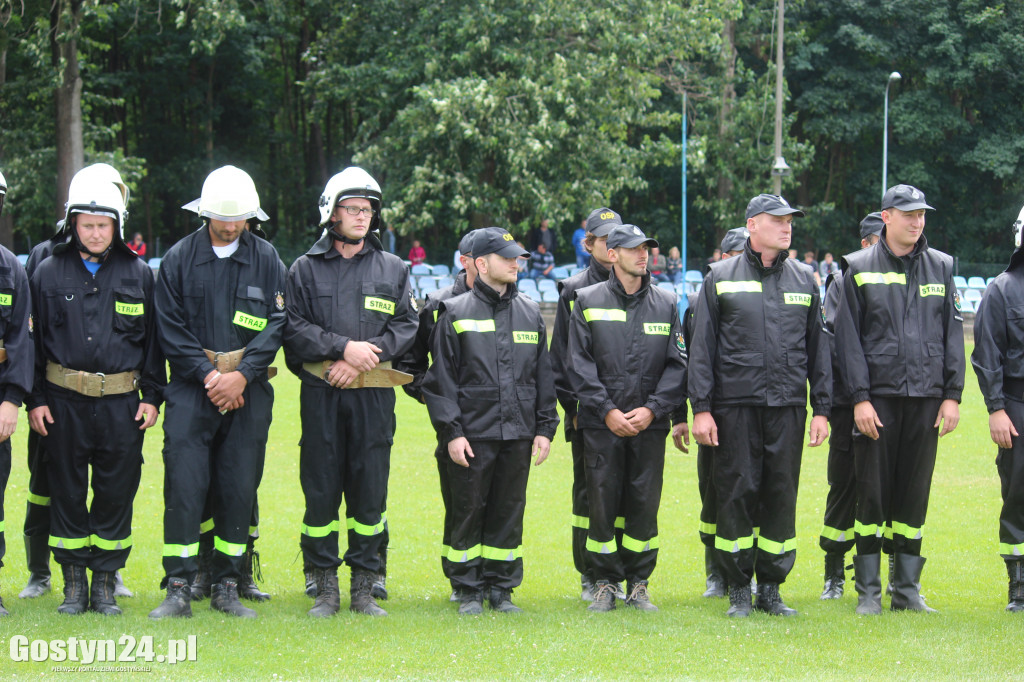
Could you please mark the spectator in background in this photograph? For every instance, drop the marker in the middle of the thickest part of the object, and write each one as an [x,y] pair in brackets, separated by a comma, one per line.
[657,265]
[582,255]
[715,256]
[828,267]
[543,235]
[389,239]
[137,245]
[417,254]
[541,263]
[810,262]
[675,265]
[524,267]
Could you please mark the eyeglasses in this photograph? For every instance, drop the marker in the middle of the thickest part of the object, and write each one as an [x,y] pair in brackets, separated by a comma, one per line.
[355,210]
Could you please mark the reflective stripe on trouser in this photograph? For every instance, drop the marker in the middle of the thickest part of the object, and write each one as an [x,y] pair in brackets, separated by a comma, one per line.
[37,511]
[488,501]
[626,474]
[345,452]
[708,500]
[442,458]
[1010,464]
[756,472]
[100,433]
[837,532]
[207,524]
[894,474]
[205,451]
[5,473]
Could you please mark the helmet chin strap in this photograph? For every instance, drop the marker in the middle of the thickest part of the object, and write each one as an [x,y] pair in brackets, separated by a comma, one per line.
[98,257]
[342,238]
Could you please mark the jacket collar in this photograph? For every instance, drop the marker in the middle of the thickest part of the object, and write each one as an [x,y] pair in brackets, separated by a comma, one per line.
[615,285]
[919,247]
[325,245]
[754,258]
[460,286]
[597,272]
[205,254]
[488,295]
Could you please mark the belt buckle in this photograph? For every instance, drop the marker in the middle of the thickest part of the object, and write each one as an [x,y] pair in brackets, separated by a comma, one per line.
[216,359]
[103,382]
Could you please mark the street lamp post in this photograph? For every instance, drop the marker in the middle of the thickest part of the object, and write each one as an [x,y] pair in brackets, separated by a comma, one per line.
[894,76]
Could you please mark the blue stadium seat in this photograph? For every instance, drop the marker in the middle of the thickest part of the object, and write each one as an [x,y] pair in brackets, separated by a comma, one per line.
[560,272]
[960,282]
[440,270]
[549,296]
[527,285]
[421,269]
[547,285]
[976,283]
[693,277]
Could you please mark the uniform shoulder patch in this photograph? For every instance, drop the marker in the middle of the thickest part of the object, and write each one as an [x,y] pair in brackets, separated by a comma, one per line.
[31,323]
[680,343]
[279,300]
[412,302]
[956,301]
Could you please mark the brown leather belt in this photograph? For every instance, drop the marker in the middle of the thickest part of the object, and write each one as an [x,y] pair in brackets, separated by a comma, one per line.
[3,352]
[381,376]
[94,385]
[229,361]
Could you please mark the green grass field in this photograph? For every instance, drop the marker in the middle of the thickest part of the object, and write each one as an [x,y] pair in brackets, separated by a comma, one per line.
[971,636]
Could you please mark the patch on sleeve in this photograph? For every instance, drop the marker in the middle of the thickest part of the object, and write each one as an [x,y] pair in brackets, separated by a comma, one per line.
[412,302]
[680,343]
[823,321]
[279,300]
[956,301]
[31,323]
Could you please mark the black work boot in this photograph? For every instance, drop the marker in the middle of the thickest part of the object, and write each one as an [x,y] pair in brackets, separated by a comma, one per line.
[359,592]
[328,595]
[101,594]
[177,602]
[224,598]
[638,597]
[201,584]
[307,574]
[501,600]
[835,576]
[739,601]
[906,592]
[120,589]
[37,556]
[1015,570]
[471,602]
[251,572]
[604,597]
[587,588]
[715,582]
[76,590]
[770,601]
[379,589]
[868,583]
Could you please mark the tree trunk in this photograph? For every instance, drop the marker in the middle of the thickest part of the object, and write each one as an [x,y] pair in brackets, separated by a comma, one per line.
[64,22]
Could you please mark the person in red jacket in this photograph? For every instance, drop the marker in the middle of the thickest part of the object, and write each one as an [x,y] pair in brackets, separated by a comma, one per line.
[417,254]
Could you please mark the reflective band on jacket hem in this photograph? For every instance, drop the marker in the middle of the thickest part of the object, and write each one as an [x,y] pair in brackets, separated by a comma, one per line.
[734,546]
[796,299]
[363,529]
[906,531]
[837,535]
[112,545]
[604,314]
[128,308]
[321,531]
[862,278]
[580,522]
[1011,550]
[68,543]
[473,326]
[634,545]
[708,528]
[249,321]
[742,287]
[380,305]
[772,547]
[38,499]
[182,551]
[206,526]
[229,548]
[596,547]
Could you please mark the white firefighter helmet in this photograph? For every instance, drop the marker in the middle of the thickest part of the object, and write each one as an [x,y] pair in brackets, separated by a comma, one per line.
[351,182]
[228,194]
[97,197]
[100,172]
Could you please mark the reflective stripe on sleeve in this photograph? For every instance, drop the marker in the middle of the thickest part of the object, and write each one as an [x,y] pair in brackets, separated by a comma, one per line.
[740,287]
[862,278]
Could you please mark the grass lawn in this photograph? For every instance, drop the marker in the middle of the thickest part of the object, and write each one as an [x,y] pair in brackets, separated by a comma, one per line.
[970,637]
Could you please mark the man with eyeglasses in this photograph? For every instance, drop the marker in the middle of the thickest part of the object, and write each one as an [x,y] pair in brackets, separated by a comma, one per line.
[350,313]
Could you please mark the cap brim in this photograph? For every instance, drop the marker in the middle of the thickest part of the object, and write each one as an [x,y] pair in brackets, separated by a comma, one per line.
[785,211]
[635,242]
[512,251]
[912,207]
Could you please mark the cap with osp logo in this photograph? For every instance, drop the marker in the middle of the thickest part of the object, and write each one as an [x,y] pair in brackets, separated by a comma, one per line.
[490,240]
[601,221]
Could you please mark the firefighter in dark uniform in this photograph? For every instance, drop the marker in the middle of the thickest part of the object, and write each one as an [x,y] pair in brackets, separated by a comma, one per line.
[900,342]
[715,585]
[350,314]
[37,512]
[998,360]
[490,393]
[96,348]
[758,340]
[17,357]
[627,365]
[416,363]
[837,533]
[220,311]
[598,224]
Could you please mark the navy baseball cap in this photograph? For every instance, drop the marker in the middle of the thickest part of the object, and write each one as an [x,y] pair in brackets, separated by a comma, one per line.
[734,240]
[629,237]
[771,204]
[601,221]
[466,243]
[497,240]
[905,198]
[872,224]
